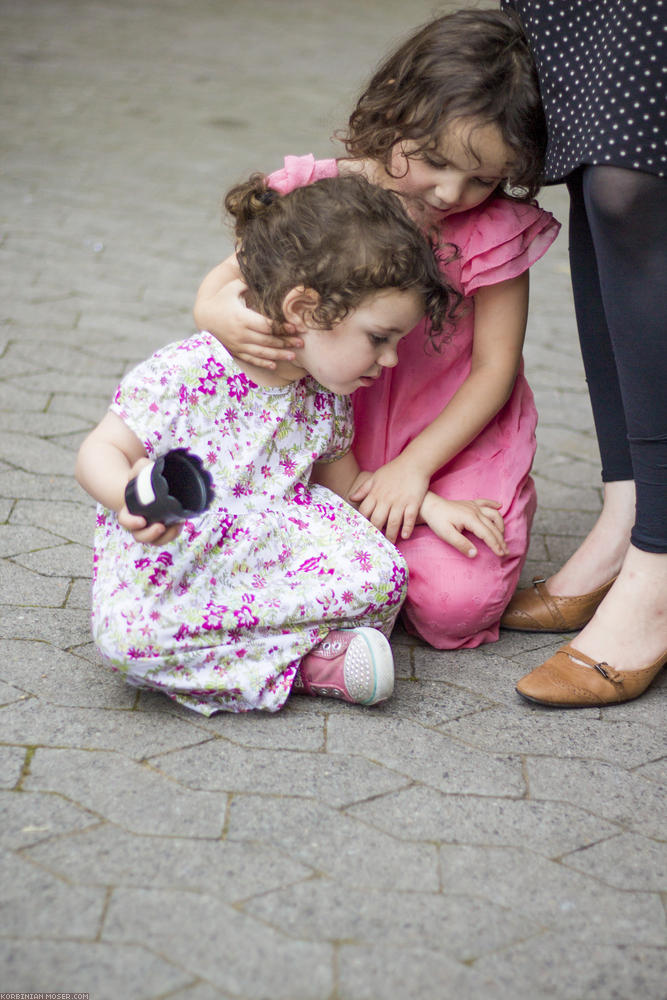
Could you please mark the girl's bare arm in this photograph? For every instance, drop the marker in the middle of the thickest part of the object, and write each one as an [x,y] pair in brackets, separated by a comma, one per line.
[108,458]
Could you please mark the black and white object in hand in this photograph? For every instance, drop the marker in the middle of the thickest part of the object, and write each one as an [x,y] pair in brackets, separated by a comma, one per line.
[173,488]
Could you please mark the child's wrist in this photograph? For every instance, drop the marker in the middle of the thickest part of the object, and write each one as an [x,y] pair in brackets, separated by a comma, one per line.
[427,504]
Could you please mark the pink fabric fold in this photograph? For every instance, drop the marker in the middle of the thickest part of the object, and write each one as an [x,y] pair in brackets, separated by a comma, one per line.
[503,241]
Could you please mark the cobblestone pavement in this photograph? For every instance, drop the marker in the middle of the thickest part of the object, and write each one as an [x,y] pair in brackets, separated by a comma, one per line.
[454,843]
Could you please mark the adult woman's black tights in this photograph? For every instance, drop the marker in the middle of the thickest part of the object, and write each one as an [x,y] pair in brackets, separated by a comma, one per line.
[618,258]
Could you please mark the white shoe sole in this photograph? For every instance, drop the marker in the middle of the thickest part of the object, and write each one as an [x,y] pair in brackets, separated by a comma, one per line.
[369,667]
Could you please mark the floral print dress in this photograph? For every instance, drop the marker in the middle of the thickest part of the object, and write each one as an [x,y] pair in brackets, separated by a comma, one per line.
[219,618]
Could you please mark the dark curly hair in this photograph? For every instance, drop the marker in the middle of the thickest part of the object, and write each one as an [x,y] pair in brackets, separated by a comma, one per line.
[472,64]
[342,236]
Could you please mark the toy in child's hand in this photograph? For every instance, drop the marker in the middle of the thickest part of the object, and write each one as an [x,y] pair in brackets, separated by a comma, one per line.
[173,488]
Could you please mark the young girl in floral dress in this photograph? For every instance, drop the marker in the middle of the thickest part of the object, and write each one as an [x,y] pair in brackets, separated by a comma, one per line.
[451,121]
[281,583]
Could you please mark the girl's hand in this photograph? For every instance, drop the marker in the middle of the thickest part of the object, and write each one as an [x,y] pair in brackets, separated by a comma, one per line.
[450,518]
[245,333]
[391,498]
[152,534]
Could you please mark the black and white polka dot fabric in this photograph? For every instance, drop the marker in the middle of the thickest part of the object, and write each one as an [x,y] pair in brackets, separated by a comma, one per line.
[601,65]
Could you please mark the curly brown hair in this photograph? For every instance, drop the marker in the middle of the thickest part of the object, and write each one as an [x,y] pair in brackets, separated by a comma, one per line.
[472,64]
[342,237]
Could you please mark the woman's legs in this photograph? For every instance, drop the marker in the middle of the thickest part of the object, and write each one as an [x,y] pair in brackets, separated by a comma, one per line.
[618,225]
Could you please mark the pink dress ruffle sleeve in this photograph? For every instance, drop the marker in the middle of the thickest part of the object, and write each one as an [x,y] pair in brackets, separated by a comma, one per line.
[453,601]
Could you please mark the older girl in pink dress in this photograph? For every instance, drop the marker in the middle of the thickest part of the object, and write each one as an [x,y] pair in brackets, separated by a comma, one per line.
[452,122]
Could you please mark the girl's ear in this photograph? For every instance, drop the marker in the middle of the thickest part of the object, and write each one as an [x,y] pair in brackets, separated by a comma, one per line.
[298,307]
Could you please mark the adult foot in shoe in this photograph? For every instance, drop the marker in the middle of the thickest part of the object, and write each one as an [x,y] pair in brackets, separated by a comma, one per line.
[536,609]
[621,650]
[629,629]
[566,601]
[570,679]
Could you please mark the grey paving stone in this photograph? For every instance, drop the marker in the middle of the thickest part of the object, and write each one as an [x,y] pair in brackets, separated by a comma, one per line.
[553,897]
[222,766]
[79,595]
[12,760]
[15,400]
[604,789]
[36,722]
[457,925]
[627,861]
[568,496]
[652,707]
[402,672]
[565,470]
[426,755]
[108,856]
[46,425]
[559,401]
[421,813]
[17,540]
[15,483]
[200,991]
[486,673]
[565,441]
[555,357]
[558,966]
[31,817]
[561,733]
[70,560]
[228,948]
[334,844]
[34,903]
[300,725]
[107,972]
[430,702]
[10,694]
[58,678]
[74,521]
[131,795]
[21,586]
[89,408]
[656,770]
[563,522]
[537,552]
[68,628]
[32,454]
[89,652]
[36,355]
[383,972]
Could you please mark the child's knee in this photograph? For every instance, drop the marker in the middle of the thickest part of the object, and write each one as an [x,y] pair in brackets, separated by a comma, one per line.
[460,603]
[457,602]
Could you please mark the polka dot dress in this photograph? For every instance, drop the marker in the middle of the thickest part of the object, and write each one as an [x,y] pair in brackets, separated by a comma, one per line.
[602,71]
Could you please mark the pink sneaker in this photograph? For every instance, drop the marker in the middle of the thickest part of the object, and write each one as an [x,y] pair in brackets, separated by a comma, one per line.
[353,664]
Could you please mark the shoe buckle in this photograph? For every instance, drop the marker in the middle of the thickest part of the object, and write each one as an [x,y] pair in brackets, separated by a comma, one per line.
[600,667]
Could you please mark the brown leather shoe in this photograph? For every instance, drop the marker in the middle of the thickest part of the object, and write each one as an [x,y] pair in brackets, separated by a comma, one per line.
[534,609]
[563,683]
